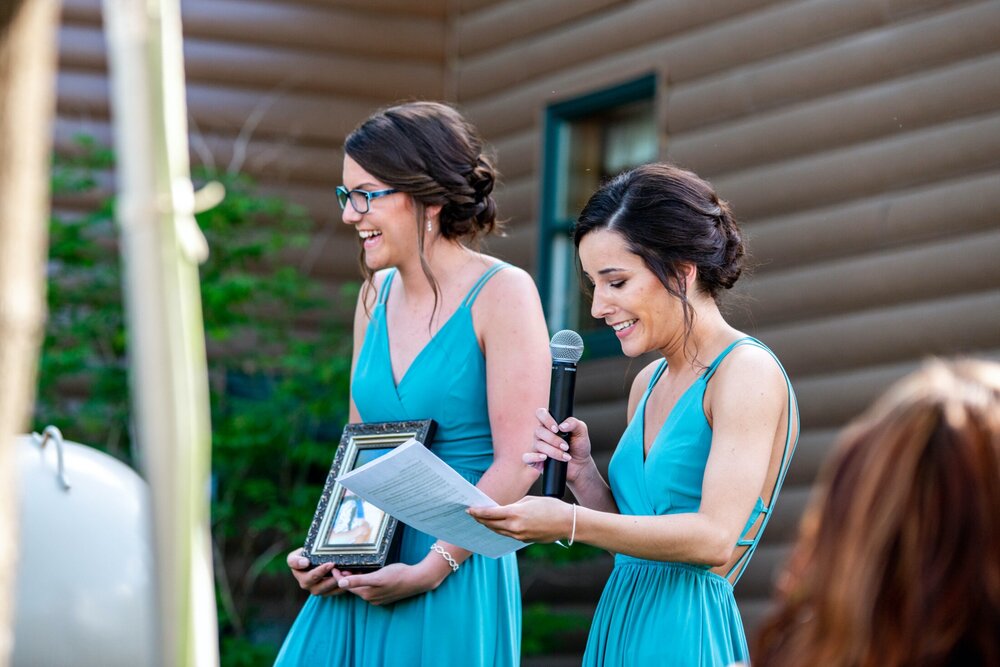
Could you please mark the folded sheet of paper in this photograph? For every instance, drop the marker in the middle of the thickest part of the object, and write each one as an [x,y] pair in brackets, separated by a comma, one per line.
[416,487]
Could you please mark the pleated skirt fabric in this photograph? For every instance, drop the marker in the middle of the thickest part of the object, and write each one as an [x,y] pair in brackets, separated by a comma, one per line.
[665,614]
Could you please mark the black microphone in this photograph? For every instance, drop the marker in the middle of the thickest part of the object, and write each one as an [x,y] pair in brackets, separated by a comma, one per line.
[567,348]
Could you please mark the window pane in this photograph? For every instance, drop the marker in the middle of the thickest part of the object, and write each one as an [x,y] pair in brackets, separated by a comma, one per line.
[583,165]
[595,148]
[629,138]
[561,260]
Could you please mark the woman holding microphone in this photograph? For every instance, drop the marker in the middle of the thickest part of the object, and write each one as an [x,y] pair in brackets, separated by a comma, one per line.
[711,428]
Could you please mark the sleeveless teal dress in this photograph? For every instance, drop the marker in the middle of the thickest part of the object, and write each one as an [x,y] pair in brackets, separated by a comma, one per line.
[666,613]
[473,619]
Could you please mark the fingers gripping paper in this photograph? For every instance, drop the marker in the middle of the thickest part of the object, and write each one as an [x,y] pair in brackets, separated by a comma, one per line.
[415,486]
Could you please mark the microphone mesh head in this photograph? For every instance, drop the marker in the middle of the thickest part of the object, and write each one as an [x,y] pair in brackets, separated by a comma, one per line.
[566,346]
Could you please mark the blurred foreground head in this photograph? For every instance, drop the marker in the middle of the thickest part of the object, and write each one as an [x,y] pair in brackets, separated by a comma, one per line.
[898,556]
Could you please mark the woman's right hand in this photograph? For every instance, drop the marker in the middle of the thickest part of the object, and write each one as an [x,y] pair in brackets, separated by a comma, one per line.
[320,580]
[547,444]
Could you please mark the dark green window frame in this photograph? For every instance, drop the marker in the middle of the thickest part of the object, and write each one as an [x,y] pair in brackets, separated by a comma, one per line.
[555,229]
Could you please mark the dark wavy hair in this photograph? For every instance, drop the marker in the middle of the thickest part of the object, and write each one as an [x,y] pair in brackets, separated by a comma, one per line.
[898,556]
[669,216]
[430,152]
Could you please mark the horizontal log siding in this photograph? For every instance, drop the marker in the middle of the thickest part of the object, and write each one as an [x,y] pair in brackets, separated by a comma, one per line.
[924,42]
[858,143]
[897,161]
[881,221]
[273,89]
[724,44]
[502,24]
[326,29]
[909,274]
[923,100]
[274,67]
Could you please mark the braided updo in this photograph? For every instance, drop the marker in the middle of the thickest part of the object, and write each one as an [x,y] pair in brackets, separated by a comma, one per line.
[667,216]
[429,151]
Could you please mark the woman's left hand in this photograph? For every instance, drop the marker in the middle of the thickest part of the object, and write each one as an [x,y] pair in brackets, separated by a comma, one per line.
[393,582]
[531,519]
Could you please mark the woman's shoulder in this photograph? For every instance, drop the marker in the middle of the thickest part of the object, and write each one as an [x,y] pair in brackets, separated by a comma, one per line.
[749,359]
[749,369]
[507,309]
[508,285]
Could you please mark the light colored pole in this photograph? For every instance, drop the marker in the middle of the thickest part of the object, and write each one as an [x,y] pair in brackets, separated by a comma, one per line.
[27,105]
[161,249]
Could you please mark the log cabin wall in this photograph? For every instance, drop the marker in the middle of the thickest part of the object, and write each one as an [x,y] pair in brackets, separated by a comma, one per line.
[274,86]
[859,144]
[857,140]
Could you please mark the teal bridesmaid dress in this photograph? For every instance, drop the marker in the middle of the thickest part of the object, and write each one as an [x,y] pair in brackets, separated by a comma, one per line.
[473,619]
[666,613]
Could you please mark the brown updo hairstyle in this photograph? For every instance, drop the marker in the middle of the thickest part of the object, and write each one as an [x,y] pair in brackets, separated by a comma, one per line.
[430,152]
[898,556]
[668,215]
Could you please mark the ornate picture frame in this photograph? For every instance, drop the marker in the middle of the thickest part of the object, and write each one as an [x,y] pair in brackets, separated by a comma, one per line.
[347,531]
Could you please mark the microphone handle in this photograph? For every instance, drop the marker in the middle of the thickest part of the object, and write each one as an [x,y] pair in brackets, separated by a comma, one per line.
[560,407]
[554,476]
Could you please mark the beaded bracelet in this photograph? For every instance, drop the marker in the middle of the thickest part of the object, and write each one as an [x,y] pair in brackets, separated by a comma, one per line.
[447,556]
[572,534]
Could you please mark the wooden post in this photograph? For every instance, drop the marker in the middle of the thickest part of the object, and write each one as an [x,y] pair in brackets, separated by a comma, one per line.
[27,103]
[161,248]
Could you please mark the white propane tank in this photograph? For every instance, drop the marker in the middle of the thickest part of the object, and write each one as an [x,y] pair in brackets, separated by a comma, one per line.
[85,572]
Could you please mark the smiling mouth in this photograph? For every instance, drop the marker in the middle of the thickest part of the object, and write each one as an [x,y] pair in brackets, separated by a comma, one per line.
[621,326]
[366,234]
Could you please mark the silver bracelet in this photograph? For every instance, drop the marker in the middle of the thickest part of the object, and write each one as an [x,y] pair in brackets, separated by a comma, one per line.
[572,534]
[447,556]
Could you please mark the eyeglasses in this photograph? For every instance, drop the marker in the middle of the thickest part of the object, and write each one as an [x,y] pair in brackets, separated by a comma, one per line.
[361,200]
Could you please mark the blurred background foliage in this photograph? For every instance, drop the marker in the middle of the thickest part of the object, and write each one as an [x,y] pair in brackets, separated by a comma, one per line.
[278,368]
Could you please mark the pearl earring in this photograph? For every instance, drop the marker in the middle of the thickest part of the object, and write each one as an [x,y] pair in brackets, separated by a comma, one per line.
[429,224]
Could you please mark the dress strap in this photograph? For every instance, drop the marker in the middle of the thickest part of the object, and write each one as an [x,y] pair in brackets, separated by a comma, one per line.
[383,293]
[657,374]
[470,298]
[725,353]
[792,406]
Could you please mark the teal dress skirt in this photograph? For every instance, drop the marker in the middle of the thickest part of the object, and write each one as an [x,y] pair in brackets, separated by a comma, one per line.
[665,613]
[473,619]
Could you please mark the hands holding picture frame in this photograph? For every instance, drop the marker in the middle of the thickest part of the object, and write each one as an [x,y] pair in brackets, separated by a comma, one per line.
[347,531]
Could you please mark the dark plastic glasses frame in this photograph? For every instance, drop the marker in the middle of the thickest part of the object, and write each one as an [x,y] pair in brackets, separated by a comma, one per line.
[344,196]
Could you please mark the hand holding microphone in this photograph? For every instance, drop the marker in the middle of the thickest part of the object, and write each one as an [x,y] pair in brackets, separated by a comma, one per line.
[566,348]
[549,442]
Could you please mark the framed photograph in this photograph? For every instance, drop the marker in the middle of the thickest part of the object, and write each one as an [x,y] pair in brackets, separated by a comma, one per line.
[346,530]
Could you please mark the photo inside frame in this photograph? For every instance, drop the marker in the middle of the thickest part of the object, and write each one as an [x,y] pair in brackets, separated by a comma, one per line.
[353,523]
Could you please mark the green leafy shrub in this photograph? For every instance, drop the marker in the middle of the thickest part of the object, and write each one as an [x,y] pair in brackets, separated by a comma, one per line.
[545,628]
[278,371]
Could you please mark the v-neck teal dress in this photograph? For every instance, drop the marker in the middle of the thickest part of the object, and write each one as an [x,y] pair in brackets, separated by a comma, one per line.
[666,613]
[473,619]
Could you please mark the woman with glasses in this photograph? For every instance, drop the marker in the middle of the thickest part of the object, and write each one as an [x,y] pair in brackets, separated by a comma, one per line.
[712,425]
[441,331]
